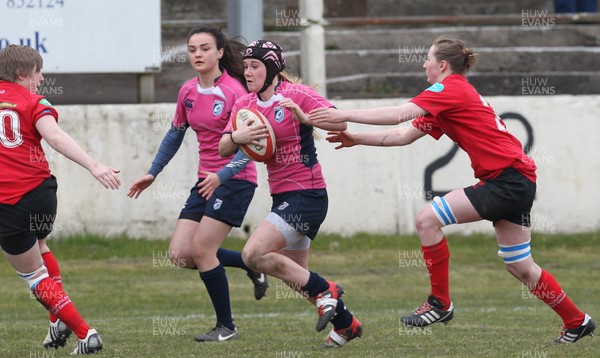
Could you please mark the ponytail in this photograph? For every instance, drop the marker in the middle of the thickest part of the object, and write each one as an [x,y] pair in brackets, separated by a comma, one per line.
[459,57]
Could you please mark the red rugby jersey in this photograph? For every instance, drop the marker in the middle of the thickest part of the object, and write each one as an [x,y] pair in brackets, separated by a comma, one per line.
[457,110]
[23,164]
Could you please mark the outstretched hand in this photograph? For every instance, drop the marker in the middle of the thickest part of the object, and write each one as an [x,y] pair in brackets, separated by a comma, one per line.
[344,138]
[140,185]
[106,176]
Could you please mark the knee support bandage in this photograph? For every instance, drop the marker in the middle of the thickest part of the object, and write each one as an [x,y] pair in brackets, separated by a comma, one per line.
[515,253]
[32,279]
[442,211]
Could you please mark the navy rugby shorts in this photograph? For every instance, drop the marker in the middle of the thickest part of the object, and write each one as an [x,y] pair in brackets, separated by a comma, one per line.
[303,210]
[228,204]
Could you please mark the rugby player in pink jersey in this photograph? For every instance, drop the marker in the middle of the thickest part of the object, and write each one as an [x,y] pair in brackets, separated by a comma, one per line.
[225,186]
[28,200]
[280,244]
[504,195]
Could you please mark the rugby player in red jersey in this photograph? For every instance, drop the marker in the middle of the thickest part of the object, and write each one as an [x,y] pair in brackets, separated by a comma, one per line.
[28,191]
[504,195]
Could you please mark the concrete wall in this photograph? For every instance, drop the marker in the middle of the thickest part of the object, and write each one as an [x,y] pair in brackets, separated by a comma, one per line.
[371,189]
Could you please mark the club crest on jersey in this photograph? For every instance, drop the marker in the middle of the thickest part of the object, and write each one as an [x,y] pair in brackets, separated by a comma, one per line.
[217,204]
[278,114]
[218,107]
[188,103]
[436,87]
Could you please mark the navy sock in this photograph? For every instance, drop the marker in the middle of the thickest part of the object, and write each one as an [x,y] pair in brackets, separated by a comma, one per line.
[343,317]
[315,285]
[217,286]
[230,258]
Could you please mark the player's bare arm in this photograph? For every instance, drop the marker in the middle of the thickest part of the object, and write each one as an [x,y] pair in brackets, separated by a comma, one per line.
[60,141]
[303,118]
[392,137]
[377,116]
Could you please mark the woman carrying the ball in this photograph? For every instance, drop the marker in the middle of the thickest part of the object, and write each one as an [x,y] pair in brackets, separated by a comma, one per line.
[280,244]
[217,202]
[504,195]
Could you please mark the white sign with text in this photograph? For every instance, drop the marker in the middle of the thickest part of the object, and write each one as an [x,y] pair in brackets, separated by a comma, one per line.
[86,36]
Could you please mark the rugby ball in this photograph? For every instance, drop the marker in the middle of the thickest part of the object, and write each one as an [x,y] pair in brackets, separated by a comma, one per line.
[266,149]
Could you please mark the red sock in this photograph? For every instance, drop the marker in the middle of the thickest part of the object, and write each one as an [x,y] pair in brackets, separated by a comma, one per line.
[437,259]
[59,304]
[54,272]
[548,290]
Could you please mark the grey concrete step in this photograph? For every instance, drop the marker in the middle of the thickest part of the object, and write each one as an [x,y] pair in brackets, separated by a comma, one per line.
[453,7]
[490,59]
[474,36]
[497,73]
[207,9]
[384,85]
[386,58]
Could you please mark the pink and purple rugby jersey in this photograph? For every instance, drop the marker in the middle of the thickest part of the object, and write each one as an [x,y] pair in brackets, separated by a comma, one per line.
[206,111]
[294,165]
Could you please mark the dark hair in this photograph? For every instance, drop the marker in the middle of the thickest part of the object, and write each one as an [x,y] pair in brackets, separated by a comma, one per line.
[17,60]
[459,57]
[233,51]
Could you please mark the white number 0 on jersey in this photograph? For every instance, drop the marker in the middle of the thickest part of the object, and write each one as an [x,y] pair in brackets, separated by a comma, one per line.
[14,125]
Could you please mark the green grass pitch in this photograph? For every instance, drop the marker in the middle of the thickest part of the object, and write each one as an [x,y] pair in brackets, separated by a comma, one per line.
[144,307]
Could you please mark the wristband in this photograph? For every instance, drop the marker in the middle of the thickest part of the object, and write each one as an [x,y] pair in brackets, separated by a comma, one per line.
[231,136]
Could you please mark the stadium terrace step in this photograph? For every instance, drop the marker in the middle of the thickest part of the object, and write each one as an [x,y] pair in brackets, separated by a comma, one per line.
[386,61]
[513,60]
[475,36]
[407,85]
[490,59]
